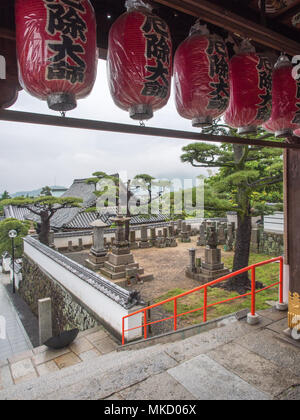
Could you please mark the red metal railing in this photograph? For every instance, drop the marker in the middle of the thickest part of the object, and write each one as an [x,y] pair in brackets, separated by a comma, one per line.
[205,306]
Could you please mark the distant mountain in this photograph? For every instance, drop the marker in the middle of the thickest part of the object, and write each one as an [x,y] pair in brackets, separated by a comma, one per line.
[34,193]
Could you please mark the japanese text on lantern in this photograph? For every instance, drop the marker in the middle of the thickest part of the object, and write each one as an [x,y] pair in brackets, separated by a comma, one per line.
[157,48]
[217,55]
[296,119]
[65,18]
[264,68]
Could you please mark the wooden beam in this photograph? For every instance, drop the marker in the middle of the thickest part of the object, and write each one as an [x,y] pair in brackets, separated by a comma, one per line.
[7,34]
[234,23]
[56,121]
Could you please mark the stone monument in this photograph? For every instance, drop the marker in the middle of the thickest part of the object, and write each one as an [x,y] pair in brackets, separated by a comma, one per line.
[132,239]
[98,253]
[144,243]
[222,234]
[120,262]
[211,268]
[184,234]
[230,237]
[202,233]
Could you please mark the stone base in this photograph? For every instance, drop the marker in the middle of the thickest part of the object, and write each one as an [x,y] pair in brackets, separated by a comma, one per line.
[201,242]
[205,276]
[185,240]
[134,245]
[281,306]
[117,275]
[119,268]
[184,237]
[120,251]
[95,262]
[145,245]
[160,244]
[120,259]
[253,319]
[212,267]
[93,266]
[172,243]
[126,283]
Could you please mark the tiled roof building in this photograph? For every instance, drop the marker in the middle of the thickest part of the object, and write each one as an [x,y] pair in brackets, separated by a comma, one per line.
[77,218]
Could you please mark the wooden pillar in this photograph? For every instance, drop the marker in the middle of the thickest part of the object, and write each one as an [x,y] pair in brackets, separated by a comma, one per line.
[292,233]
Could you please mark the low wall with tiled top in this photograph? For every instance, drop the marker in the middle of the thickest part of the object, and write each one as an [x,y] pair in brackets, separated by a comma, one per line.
[80,296]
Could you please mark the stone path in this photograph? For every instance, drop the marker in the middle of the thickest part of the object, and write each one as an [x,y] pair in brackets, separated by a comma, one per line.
[234,361]
[13,337]
[41,361]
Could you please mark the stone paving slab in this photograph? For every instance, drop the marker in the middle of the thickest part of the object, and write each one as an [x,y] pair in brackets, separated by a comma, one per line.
[265,344]
[208,380]
[273,314]
[202,343]
[100,386]
[56,381]
[16,340]
[42,361]
[279,326]
[293,393]
[259,372]
[158,387]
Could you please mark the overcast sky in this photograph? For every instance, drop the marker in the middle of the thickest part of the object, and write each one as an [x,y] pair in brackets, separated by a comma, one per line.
[33,156]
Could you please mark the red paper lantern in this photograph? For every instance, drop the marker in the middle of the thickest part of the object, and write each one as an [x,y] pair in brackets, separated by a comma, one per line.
[139,61]
[297,132]
[9,87]
[201,77]
[250,90]
[56,49]
[285,115]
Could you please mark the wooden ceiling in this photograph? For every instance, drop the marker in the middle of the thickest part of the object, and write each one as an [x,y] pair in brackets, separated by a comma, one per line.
[272,24]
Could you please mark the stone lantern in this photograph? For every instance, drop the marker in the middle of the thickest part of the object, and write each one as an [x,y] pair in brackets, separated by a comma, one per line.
[97,255]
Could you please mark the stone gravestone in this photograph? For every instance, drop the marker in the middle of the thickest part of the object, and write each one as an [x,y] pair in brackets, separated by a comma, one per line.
[202,233]
[51,239]
[211,268]
[230,237]
[80,244]
[144,243]
[189,229]
[179,226]
[98,253]
[221,234]
[152,236]
[132,240]
[120,262]
[184,234]
[192,253]
[171,239]
[160,240]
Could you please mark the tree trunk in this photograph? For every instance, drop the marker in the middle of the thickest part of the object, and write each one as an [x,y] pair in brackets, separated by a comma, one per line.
[241,283]
[45,228]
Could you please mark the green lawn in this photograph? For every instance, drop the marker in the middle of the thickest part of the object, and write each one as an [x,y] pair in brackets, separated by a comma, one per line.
[267,275]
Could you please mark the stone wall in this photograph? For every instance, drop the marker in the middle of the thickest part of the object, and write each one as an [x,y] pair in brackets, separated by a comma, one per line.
[66,312]
[264,242]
